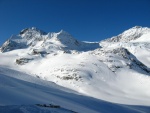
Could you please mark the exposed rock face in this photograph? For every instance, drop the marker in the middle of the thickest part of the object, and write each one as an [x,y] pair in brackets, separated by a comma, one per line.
[128,59]
[22,61]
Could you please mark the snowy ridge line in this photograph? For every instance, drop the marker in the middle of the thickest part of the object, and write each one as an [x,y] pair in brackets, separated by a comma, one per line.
[35,38]
[129,35]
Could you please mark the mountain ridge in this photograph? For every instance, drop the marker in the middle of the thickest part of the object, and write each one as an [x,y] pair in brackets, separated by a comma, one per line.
[128,35]
[32,36]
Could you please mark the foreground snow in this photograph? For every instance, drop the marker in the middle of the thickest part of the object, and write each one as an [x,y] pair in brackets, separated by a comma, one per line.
[21,92]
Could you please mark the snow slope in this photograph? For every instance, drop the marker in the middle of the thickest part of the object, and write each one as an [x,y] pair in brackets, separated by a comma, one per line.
[113,70]
[21,92]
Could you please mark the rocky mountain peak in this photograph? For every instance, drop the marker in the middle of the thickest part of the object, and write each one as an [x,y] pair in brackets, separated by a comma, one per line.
[32,30]
[32,33]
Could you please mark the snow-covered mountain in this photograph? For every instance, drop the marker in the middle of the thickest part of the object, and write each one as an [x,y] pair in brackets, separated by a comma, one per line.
[115,70]
[36,39]
[129,35]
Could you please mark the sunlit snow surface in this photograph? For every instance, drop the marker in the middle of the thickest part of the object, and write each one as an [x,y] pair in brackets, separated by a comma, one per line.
[21,92]
[84,77]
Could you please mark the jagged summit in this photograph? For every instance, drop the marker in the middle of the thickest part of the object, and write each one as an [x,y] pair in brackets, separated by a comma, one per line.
[31,30]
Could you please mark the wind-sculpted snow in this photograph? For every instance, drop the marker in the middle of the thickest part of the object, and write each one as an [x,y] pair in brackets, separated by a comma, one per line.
[61,70]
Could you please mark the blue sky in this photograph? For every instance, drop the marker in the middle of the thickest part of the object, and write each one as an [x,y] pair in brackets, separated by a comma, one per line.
[86,20]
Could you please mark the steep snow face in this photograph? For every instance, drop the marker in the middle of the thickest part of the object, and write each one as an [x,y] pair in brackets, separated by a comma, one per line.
[145,38]
[15,42]
[66,39]
[27,37]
